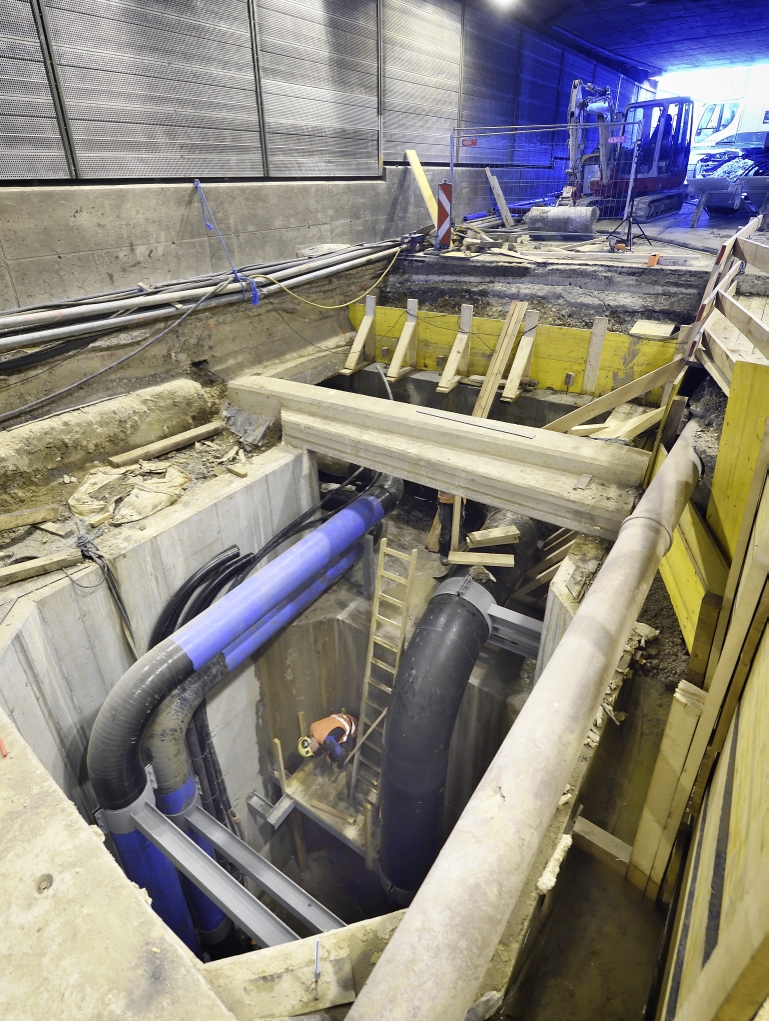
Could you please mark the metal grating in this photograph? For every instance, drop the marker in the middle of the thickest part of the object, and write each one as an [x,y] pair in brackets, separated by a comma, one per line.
[489,76]
[422,43]
[30,142]
[318,68]
[158,88]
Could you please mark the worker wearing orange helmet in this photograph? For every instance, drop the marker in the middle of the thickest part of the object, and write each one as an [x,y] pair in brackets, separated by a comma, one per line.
[332,736]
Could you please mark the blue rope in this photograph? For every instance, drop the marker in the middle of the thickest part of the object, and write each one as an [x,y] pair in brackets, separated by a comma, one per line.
[207,212]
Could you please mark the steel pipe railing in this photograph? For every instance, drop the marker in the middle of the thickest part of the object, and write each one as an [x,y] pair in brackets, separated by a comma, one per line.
[435,962]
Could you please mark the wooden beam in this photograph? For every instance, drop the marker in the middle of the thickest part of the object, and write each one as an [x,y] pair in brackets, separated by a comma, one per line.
[458,361]
[755,254]
[685,710]
[752,328]
[501,536]
[632,427]
[41,565]
[522,362]
[185,439]
[405,356]
[594,353]
[424,185]
[624,393]
[603,846]
[499,359]
[362,350]
[488,559]
[504,210]
[31,516]
[698,209]
[536,582]
[559,553]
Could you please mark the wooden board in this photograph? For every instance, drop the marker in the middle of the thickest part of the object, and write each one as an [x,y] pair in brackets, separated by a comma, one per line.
[685,710]
[31,516]
[522,361]
[501,536]
[41,565]
[487,559]
[150,450]
[424,185]
[603,846]
[625,393]
[500,358]
[594,354]
[499,198]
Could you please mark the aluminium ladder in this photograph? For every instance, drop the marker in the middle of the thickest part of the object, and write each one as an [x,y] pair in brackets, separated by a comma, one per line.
[385,647]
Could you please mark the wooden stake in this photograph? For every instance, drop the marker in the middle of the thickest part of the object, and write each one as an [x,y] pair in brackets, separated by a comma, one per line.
[362,350]
[405,356]
[594,353]
[281,766]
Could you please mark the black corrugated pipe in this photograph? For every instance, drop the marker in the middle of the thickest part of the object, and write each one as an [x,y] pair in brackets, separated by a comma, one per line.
[427,692]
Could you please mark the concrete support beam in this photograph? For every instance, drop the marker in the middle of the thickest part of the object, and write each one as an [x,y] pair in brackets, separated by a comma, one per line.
[513,467]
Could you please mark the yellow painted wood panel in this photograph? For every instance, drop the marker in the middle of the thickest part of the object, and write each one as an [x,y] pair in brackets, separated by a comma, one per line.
[746,414]
[748,847]
[684,585]
[557,349]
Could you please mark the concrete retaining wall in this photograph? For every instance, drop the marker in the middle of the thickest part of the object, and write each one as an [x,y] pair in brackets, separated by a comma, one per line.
[61,648]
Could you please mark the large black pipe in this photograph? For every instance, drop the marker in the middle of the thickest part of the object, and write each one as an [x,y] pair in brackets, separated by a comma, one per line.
[427,692]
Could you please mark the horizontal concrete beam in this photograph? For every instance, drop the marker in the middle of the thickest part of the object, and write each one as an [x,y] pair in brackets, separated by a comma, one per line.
[508,466]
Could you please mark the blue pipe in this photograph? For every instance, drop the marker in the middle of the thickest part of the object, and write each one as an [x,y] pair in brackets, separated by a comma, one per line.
[224,622]
[237,625]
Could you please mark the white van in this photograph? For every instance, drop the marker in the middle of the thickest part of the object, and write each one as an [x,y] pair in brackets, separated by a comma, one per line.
[739,123]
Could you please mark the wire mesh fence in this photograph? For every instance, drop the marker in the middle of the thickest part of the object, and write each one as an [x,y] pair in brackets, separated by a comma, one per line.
[525,166]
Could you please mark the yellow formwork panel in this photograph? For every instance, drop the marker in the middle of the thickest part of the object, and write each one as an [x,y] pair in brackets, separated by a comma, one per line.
[746,413]
[692,567]
[557,350]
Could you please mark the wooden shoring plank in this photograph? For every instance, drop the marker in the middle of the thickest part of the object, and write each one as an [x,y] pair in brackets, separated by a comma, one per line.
[501,536]
[698,209]
[458,361]
[758,480]
[619,396]
[594,352]
[166,446]
[685,710]
[30,516]
[522,362]
[555,557]
[433,536]
[405,356]
[362,350]
[725,253]
[40,565]
[534,583]
[601,845]
[496,189]
[735,981]
[632,427]
[744,610]
[755,254]
[424,185]
[489,559]
[499,359]
[750,327]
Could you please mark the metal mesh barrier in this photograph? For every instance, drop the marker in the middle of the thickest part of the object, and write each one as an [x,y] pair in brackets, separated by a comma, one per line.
[30,142]
[158,88]
[318,63]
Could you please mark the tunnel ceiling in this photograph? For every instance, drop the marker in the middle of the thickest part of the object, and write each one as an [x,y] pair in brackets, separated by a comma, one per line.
[661,35]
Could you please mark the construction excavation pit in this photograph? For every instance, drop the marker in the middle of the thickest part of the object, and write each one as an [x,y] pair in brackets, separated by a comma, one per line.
[376,631]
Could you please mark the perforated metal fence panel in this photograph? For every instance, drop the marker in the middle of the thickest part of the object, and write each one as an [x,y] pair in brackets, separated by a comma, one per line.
[30,142]
[158,88]
[318,62]
[489,76]
[422,45]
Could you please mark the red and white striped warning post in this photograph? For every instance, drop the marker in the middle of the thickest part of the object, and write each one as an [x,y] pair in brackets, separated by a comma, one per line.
[443,234]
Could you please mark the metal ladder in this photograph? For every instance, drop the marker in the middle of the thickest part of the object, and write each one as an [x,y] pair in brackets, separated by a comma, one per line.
[385,647]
